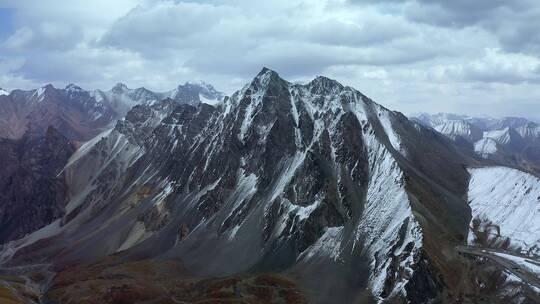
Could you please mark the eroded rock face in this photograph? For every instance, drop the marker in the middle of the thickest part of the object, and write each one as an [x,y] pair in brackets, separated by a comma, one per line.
[32,193]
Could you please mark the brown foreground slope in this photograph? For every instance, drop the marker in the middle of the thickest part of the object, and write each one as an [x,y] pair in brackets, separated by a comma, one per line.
[164,281]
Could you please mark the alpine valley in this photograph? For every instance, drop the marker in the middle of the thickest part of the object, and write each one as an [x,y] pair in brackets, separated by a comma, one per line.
[279,193]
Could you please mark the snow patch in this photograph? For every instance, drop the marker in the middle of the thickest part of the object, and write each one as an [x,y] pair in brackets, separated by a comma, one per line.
[510,199]
[329,244]
[136,235]
[501,136]
[485,147]
[210,101]
[386,211]
[530,265]
[393,137]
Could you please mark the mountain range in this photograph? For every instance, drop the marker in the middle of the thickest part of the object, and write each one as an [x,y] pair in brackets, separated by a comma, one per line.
[80,114]
[511,141]
[279,193]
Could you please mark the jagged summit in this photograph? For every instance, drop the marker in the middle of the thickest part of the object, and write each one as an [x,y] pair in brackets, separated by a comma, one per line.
[321,84]
[119,88]
[72,86]
[265,78]
[266,70]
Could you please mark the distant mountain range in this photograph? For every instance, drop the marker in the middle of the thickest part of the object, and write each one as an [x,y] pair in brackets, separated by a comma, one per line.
[279,193]
[513,141]
[80,114]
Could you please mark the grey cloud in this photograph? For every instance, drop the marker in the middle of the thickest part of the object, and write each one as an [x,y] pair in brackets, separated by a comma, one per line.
[44,36]
[432,50]
[515,23]
[165,25]
[235,41]
[191,26]
[296,59]
[336,32]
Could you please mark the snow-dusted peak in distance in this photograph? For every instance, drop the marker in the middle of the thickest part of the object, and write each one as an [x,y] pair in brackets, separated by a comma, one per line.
[73,87]
[484,122]
[121,98]
[119,88]
[531,130]
[453,128]
[87,112]
[510,141]
[195,92]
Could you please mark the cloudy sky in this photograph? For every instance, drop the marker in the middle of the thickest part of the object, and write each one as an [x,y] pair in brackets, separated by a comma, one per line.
[472,57]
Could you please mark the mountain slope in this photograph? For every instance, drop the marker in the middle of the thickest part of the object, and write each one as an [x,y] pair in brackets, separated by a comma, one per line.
[32,193]
[455,128]
[72,111]
[507,200]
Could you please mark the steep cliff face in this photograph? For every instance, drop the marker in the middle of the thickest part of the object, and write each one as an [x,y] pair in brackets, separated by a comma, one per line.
[32,193]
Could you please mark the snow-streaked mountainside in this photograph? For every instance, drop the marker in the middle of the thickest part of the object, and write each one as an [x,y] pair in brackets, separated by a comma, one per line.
[80,114]
[122,99]
[486,147]
[3,92]
[529,131]
[481,122]
[455,128]
[314,182]
[507,202]
[511,141]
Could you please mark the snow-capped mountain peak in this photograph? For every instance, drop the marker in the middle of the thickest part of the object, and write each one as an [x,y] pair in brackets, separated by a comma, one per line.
[39,94]
[119,88]
[455,128]
[194,93]
[3,92]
